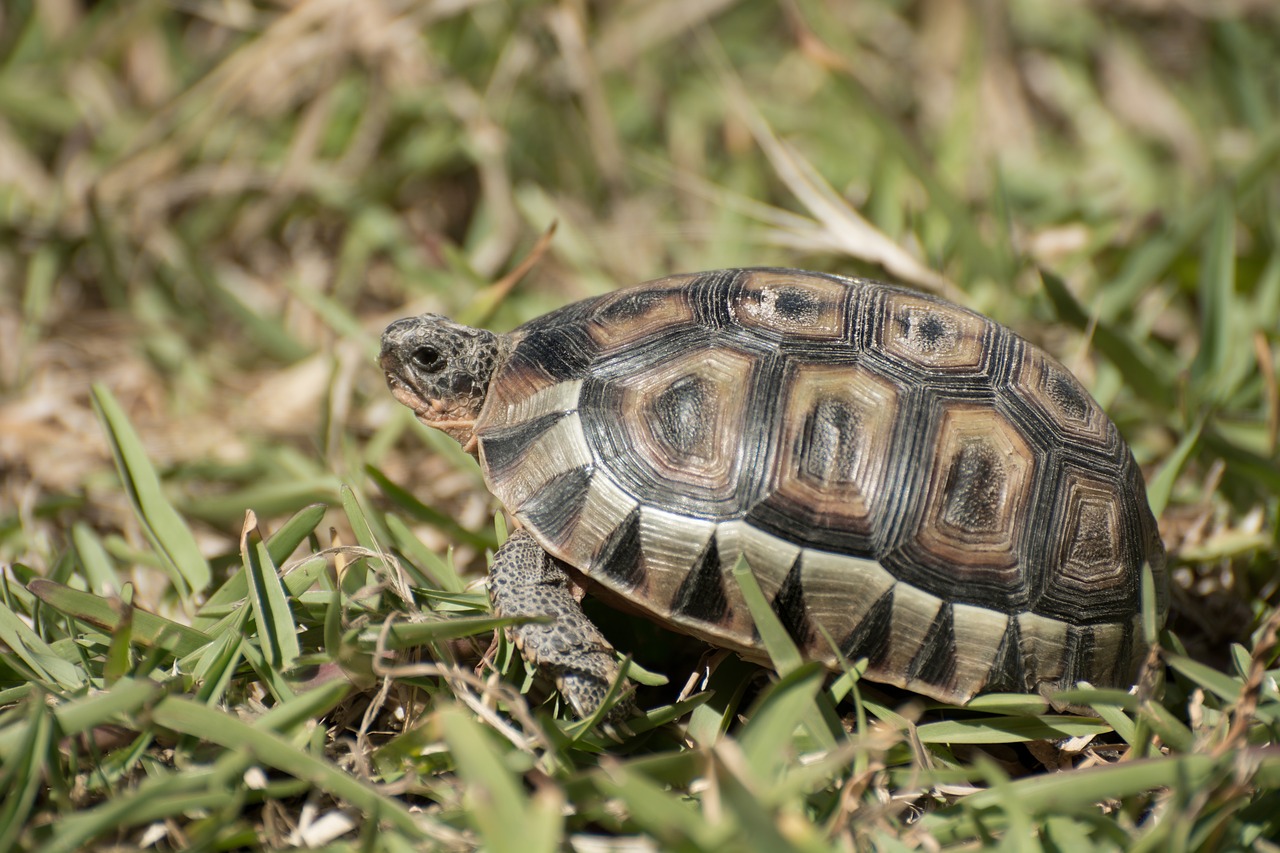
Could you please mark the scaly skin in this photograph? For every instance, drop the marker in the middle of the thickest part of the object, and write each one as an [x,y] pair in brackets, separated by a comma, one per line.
[526,581]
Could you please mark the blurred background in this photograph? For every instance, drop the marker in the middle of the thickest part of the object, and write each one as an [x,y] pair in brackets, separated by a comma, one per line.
[212,208]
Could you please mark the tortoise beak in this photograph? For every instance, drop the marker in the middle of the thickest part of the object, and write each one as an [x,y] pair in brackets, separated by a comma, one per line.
[398,341]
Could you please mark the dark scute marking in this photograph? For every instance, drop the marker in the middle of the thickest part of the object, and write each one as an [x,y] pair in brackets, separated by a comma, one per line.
[684,414]
[701,594]
[504,447]
[619,557]
[553,510]
[830,450]
[927,334]
[975,489]
[632,305]
[1066,396]
[1092,545]
[935,662]
[797,305]
[789,605]
[1007,672]
[931,331]
[870,637]
[563,352]
[1078,655]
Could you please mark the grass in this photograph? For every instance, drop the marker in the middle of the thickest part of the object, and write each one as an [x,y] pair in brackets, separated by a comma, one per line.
[238,604]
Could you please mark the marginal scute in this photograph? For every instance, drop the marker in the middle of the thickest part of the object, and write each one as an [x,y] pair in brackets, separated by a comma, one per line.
[602,518]
[504,448]
[554,508]
[789,605]
[870,636]
[1043,642]
[914,612]
[619,557]
[701,596]
[558,448]
[1008,672]
[841,593]
[670,545]
[935,662]
[978,632]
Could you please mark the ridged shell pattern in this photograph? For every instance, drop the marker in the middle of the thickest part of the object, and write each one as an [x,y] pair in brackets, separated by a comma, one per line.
[908,481]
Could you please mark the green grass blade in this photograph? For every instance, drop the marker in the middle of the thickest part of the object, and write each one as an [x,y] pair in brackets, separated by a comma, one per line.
[98,570]
[428,515]
[1217,286]
[166,530]
[148,629]
[438,570]
[274,750]
[496,802]
[22,775]
[1141,372]
[1010,729]
[789,703]
[1161,485]
[277,629]
[782,649]
[33,651]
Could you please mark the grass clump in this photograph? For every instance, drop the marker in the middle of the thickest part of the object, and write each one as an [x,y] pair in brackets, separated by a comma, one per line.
[238,603]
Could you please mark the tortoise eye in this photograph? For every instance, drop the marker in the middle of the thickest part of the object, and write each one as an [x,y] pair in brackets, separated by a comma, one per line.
[428,359]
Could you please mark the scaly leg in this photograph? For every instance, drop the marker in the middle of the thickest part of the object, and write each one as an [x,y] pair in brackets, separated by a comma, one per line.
[527,581]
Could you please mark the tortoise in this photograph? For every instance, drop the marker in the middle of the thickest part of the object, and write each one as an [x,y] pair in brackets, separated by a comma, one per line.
[909,482]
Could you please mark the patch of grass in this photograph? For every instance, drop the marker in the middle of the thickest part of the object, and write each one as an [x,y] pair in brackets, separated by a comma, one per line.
[238,603]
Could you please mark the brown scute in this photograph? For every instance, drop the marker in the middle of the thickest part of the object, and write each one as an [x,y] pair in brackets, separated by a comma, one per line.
[675,430]
[903,475]
[780,304]
[929,334]
[683,418]
[976,509]
[830,470]
[1058,408]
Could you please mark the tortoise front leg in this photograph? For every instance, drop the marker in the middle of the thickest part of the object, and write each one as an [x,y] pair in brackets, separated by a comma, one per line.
[527,581]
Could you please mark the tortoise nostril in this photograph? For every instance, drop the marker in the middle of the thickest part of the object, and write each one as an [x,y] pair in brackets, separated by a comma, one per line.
[427,359]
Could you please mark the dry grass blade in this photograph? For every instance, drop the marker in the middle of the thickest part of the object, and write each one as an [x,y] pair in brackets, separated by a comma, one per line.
[843,226]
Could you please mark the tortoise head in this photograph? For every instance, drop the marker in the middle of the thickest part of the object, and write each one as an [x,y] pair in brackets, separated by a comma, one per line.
[441,370]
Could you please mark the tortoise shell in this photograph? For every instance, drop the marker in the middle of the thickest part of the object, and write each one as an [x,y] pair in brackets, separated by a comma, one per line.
[907,480]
